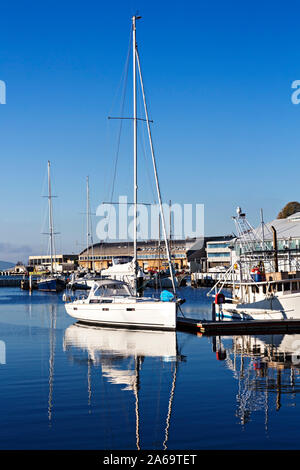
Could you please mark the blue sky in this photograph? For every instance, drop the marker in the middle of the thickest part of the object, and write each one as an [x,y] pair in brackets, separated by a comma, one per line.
[218,79]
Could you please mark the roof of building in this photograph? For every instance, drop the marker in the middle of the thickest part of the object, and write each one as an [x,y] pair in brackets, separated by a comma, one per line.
[285,228]
[126,248]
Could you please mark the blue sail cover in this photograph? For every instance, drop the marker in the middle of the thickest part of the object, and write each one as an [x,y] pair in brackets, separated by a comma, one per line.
[166,296]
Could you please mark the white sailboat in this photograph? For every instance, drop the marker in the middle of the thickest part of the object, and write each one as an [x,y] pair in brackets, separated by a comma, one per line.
[51,282]
[123,270]
[114,302]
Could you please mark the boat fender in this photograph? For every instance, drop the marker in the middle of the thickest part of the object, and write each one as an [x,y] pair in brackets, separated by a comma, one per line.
[219,298]
[166,296]
[66,298]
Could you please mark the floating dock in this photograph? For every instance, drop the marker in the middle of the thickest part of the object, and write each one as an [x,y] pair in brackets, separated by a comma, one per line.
[209,327]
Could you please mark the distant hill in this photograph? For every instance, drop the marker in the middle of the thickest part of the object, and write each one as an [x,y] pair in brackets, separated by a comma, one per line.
[6,265]
[289,209]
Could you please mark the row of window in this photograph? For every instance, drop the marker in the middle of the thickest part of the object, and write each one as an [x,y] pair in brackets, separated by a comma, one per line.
[39,261]
[282,245]
[217,245]
[154,256]
[218,255]
[278,287]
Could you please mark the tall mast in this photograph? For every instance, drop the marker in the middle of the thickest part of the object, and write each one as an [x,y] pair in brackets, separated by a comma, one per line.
[155,172]
[135,187]
[89,228]
[262,225]
[87,220]
[50,218]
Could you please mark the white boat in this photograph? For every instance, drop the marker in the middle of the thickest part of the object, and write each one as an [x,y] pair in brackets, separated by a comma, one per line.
[268,300]
[257,294]
[82,281]
[122,269]
[114,302]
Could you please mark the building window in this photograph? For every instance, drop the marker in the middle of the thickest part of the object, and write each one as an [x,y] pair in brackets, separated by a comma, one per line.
[279,287]
[218,255]
[286,286]
[217,245]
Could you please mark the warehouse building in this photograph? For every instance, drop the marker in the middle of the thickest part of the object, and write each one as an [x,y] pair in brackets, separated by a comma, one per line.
[151,254]
[61,263]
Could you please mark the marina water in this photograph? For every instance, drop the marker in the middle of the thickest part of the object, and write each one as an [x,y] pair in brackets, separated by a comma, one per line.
[65,386]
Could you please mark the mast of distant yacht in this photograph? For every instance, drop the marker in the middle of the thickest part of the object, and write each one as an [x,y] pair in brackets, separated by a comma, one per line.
[51,233]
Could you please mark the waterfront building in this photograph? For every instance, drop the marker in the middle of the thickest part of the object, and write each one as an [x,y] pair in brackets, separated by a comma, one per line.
[19,268]
[151,254]
[213,252]
[218,253]
[61,263]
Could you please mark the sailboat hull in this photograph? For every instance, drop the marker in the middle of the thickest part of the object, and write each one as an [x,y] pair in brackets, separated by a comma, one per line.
[137,314]
[51,285]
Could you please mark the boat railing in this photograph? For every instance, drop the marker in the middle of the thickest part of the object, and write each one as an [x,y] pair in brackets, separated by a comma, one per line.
[221,282]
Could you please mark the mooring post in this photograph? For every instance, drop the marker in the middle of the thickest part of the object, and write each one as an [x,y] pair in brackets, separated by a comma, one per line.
[213,311]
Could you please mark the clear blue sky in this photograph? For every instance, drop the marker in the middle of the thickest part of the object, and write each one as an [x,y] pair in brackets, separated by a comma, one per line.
[218,78]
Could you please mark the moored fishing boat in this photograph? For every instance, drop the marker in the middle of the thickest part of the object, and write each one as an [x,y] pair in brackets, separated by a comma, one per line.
[257,294]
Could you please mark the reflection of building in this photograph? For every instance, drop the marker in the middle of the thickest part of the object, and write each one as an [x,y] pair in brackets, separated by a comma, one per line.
[60,262]
[265,368]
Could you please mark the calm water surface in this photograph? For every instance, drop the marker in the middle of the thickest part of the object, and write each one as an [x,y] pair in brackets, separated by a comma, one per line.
[65,386]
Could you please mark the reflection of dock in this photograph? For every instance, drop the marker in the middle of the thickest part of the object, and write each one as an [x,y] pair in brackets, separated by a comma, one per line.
[238,327]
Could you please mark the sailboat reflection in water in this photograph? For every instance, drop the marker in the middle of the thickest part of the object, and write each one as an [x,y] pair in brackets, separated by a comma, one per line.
[121,353]
[267,368]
